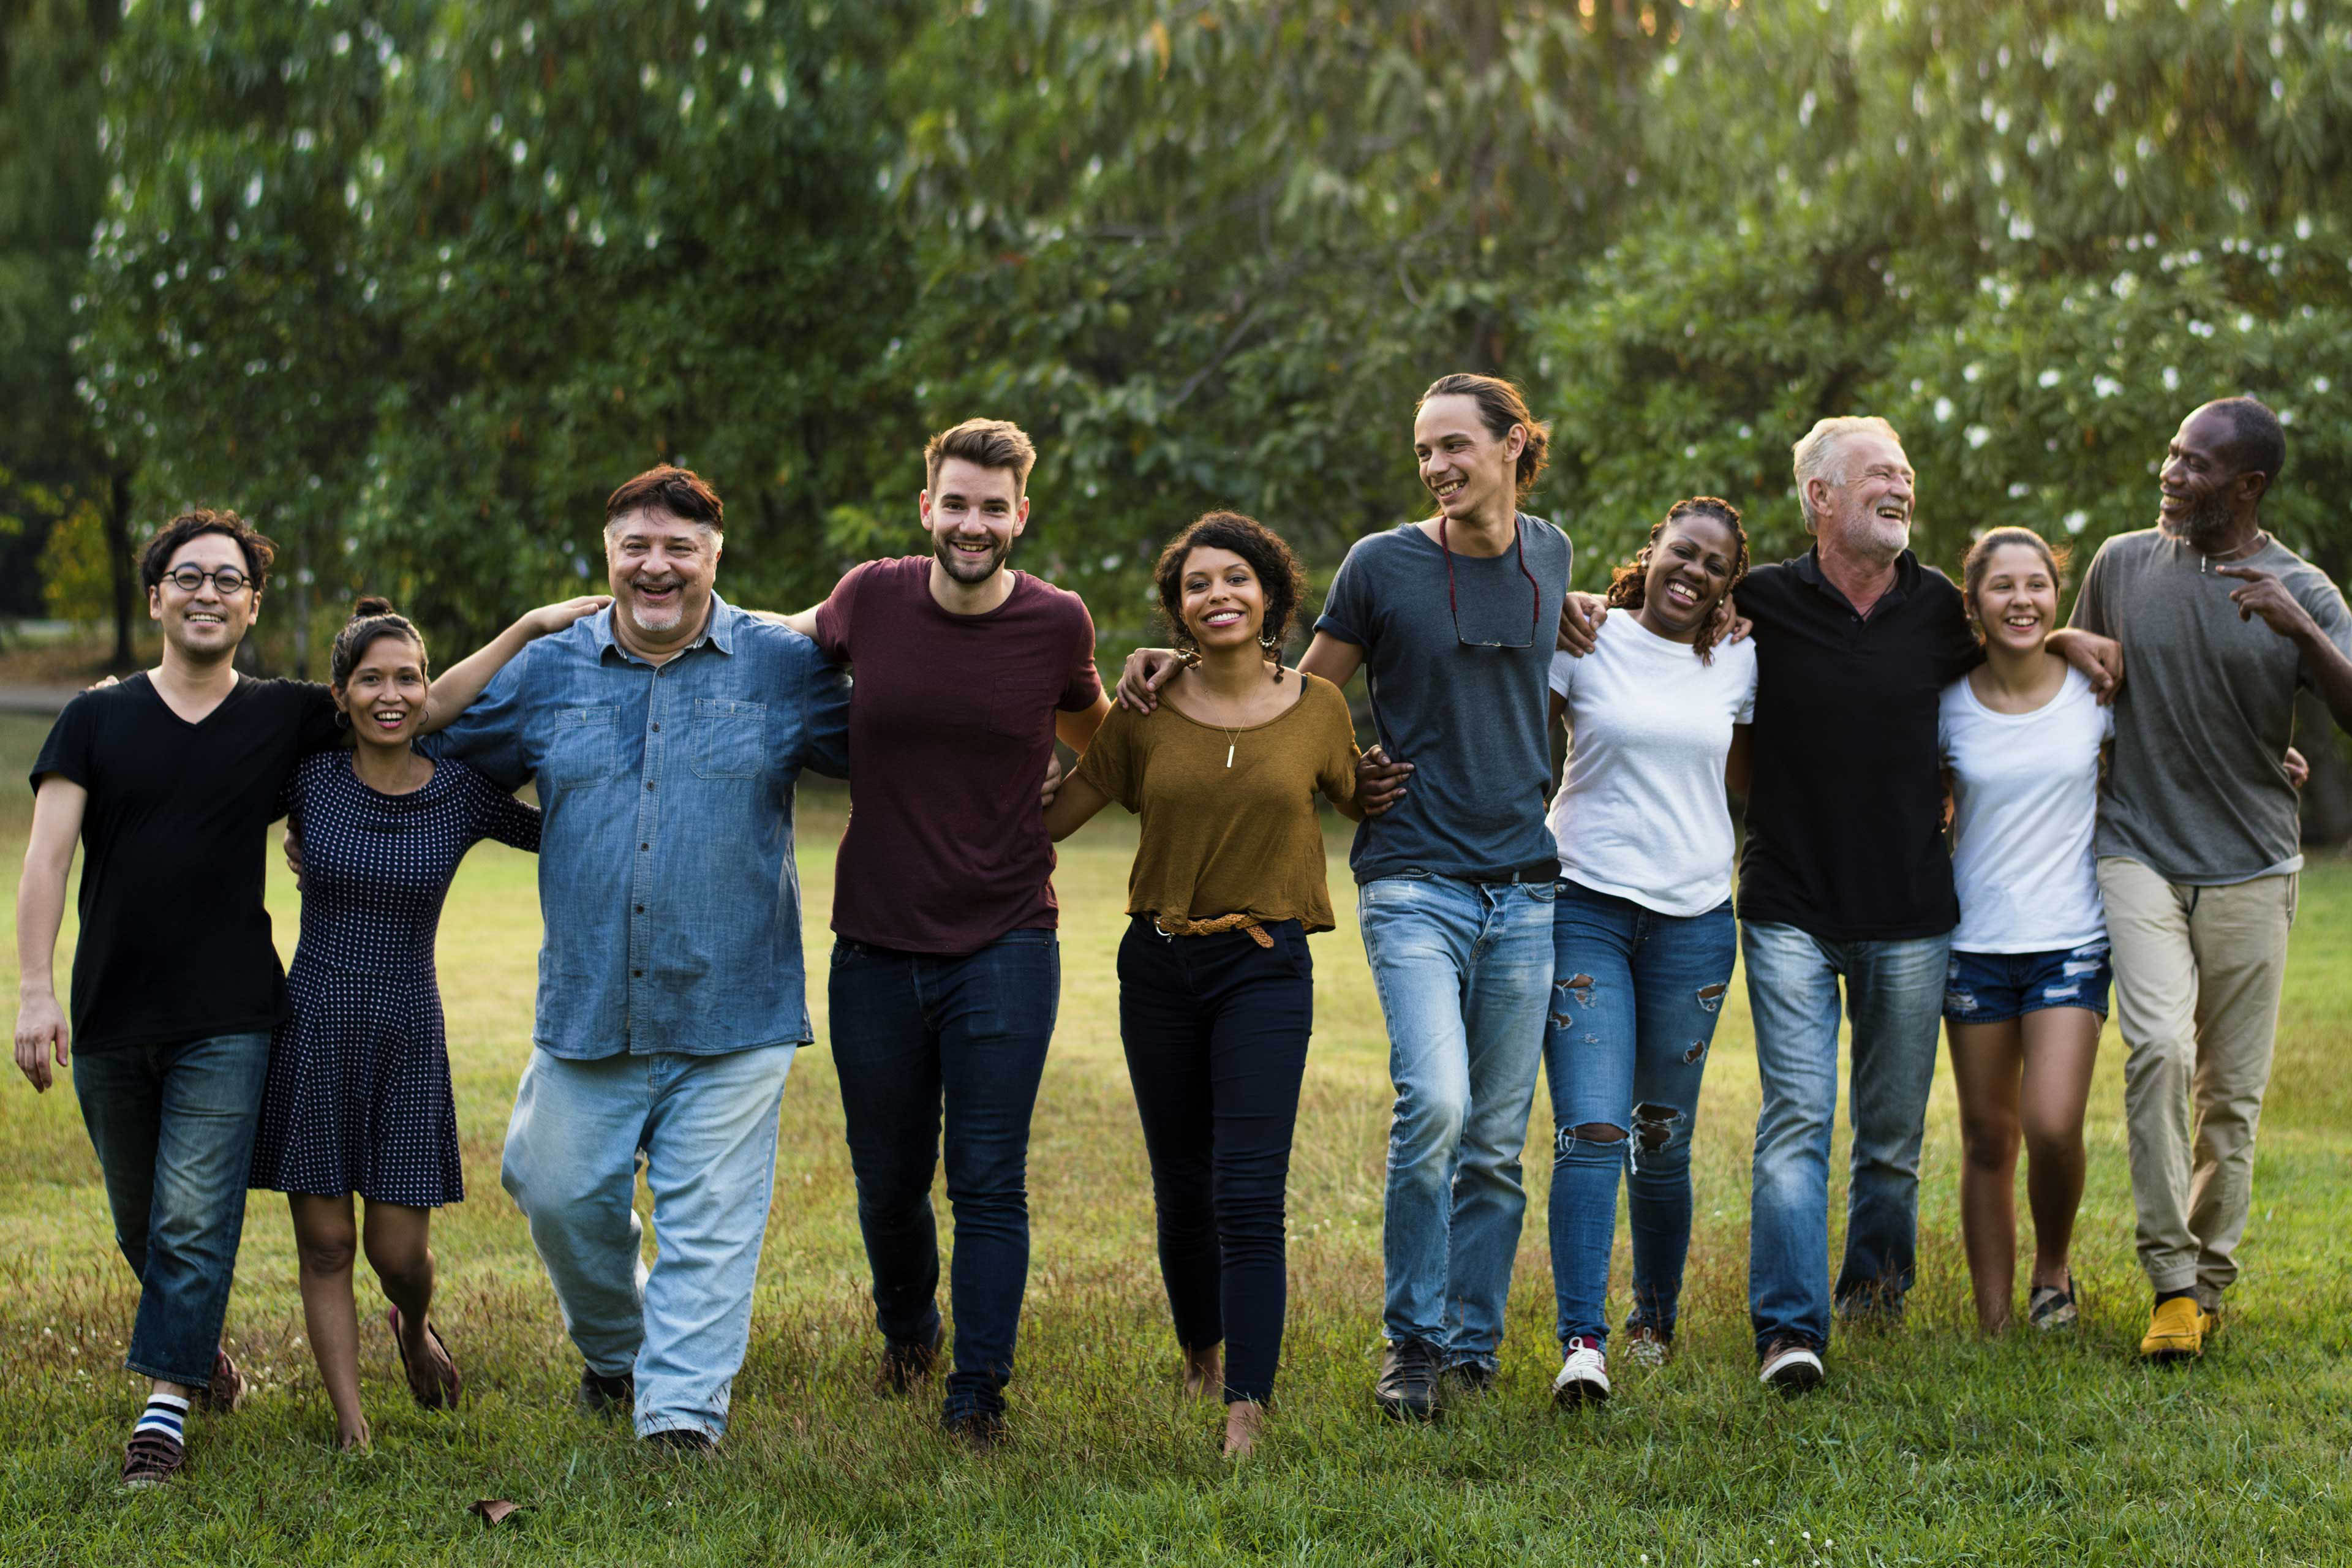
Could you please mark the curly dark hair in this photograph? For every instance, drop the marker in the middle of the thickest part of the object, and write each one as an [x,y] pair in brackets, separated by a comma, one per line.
[258,550]
[1276,568]
[372,618]
[1631,581]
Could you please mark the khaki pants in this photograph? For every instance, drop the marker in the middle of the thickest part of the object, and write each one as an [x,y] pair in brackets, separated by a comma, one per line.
[2198,972]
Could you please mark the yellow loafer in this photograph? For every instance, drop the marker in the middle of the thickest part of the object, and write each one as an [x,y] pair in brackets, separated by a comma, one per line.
[2176,1333]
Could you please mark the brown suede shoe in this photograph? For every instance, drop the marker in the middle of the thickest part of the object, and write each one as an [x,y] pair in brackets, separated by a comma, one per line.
[152,1458]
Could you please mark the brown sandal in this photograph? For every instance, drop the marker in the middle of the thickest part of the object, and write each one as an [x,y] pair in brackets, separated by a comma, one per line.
[445,1393]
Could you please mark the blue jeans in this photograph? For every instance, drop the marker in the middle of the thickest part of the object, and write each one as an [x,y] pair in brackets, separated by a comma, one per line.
[172,1126]
[1462,969]
[1894,996]
[914,1033]
[1634,1010]
[707,1127]
[1215,1029]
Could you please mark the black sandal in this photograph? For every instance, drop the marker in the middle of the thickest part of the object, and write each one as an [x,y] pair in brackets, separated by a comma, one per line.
[447,1389]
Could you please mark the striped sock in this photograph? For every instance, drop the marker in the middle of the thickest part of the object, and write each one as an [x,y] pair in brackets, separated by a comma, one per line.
[165,1413]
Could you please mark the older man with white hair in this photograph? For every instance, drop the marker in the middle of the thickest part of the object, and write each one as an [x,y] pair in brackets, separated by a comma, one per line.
[1845,877]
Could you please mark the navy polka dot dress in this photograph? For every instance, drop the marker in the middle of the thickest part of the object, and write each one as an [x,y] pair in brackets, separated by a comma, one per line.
[358,1095]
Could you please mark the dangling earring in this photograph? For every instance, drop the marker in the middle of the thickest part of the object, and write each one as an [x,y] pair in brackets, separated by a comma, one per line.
[1188,652]
[1273,646]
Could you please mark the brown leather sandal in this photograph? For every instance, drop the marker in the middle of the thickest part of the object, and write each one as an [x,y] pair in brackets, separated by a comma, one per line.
[444,1391]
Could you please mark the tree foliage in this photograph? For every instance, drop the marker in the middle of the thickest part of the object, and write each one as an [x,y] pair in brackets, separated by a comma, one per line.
[2032,237]
[417,282]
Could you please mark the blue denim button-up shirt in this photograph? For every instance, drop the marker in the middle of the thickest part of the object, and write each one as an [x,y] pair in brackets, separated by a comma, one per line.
[666,875]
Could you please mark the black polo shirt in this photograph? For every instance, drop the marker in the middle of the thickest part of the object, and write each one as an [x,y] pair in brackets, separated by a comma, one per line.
[1846,807]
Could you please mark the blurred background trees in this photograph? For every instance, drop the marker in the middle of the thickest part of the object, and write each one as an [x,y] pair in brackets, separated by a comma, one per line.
[415,282]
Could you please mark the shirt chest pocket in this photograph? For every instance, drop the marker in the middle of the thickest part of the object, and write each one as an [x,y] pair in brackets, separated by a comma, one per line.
[584,748]
[731,739]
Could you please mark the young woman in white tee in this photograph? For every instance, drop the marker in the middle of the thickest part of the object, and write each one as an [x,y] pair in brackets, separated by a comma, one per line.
[2027,991]
[1643,937]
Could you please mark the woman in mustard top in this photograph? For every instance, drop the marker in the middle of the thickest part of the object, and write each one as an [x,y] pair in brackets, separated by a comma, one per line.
[1216,987]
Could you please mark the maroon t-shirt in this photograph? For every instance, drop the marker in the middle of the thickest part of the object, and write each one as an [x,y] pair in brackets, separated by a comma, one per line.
[951,726]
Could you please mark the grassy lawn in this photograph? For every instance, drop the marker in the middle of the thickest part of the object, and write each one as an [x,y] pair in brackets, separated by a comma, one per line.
[1927,1445]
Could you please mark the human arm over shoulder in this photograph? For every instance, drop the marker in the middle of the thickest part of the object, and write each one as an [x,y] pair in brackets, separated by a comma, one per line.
[455,688]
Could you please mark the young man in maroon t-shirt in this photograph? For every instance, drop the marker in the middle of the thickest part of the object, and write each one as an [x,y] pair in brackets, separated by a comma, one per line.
[946,970]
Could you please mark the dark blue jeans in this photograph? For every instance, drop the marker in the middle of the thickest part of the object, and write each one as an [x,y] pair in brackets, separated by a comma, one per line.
[1215,1029]
[913,1032]
[172,1126]
[1634,1003]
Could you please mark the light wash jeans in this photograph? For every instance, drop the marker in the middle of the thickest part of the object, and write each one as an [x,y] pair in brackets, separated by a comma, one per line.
[1894,996]
[1634,1009]
[707,1128]
[1462,969]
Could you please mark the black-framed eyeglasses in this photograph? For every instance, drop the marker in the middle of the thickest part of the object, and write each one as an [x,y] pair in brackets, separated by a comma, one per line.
[1534,611]
[228,580]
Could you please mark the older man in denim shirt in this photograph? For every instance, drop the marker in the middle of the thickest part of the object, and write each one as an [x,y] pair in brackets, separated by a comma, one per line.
[665,736]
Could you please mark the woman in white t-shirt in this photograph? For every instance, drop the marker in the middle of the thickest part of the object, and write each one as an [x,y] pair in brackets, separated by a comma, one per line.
[2027,991]
[1643,939]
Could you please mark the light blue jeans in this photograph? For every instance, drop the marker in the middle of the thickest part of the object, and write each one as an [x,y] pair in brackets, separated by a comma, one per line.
[1462,969]
[707,1128]
[1894,996]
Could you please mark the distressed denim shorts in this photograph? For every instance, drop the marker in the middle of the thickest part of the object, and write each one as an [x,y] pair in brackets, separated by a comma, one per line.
[1994,987]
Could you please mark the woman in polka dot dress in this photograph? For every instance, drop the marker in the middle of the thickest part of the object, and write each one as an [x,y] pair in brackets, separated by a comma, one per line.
[358,1098]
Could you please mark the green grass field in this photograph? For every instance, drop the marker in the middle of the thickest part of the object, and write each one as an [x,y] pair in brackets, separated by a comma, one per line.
[1928,1445]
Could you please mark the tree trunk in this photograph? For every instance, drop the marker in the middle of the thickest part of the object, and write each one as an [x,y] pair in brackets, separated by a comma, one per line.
[301,604]
[118,550]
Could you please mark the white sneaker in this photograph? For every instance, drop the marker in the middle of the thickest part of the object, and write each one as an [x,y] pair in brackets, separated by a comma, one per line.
[1790,1366]
[1583,1377]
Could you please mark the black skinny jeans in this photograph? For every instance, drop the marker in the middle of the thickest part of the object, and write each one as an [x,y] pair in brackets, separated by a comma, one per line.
[1215,1029]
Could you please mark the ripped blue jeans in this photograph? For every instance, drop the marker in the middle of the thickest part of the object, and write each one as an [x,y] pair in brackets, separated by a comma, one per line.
[1635,997]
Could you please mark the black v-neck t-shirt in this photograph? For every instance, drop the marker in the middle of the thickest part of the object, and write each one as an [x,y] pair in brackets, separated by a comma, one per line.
[1845,805]
[175,943]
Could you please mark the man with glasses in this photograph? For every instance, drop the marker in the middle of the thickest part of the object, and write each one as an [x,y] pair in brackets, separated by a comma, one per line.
[1451,621]
[169,780]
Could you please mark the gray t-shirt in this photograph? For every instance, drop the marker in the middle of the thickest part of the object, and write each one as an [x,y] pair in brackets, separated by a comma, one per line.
[1470,719]
[2196,790]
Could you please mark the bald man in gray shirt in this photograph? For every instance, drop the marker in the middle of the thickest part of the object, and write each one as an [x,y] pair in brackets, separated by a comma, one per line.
[2199,840]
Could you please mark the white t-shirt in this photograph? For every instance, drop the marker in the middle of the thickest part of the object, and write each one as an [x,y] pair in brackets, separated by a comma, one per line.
[2025,793]
[1640,812]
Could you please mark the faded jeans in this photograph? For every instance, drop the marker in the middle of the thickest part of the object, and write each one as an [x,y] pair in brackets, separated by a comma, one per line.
[172,1126]
[1635,999]
[705,1126]
[1462,969]
[1894,997]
